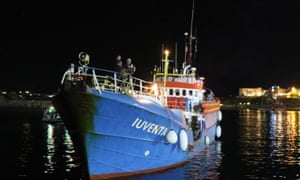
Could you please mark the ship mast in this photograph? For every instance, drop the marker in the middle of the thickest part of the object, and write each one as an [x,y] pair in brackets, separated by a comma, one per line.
[189,51]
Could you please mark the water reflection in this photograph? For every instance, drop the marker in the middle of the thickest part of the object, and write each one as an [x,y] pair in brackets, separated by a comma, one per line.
[25,150]
[254,145]
[203,166]
[59,149]
[50,146]
[269,140]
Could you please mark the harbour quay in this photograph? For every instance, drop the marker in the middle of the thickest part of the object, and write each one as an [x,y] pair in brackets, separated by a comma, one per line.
[24,105]
[263,102]
[21,104]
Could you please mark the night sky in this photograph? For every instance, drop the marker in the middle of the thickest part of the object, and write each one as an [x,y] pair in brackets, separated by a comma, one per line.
[240,44]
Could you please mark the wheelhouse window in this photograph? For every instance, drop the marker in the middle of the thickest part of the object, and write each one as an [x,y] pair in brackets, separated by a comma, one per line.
[183,92]
[196,93]
[171,92]
[177,92]
[190,93]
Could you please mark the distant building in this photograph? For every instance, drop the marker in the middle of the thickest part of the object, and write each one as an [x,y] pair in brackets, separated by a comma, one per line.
[251,92]
[273,91]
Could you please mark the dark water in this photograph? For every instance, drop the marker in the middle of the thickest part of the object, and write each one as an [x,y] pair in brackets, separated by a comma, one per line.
[254,145]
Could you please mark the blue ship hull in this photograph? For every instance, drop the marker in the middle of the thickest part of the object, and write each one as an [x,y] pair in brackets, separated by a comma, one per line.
[122,134]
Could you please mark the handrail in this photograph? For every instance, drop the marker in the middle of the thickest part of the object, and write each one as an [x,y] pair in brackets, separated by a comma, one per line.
[103,79]
[95,81]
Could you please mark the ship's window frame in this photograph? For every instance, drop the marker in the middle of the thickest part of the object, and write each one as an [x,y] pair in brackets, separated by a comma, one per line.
[184,92]
[177,92]
[196,93]
[191,93]
[171,91]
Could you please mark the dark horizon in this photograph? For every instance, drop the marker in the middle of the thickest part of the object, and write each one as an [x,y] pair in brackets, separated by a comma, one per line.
[240,44]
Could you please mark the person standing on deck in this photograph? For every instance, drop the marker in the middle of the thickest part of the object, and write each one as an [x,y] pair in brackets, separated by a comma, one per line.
[130,67]
[120,69]
[119,64]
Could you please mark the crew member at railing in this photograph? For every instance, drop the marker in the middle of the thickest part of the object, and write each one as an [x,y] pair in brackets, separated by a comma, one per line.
[119,63]
[127,72]
[119,67]
[130,67]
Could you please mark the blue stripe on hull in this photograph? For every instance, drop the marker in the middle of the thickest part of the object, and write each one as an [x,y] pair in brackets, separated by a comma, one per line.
[121,131]
[138,135]
[134,138]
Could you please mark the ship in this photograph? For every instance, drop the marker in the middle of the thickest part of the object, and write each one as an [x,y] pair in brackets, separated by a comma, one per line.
[131,126]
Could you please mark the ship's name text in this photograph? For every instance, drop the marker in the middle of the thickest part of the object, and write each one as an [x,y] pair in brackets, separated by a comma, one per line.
[149,127]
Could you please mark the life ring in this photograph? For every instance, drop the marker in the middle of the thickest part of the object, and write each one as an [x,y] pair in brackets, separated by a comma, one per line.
[172,137]
[183,140]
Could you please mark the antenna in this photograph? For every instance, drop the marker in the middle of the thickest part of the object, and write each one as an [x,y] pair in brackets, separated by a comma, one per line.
[176,56]
[192,20]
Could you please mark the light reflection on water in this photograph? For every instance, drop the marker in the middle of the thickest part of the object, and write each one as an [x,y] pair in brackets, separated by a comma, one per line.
[54,156]
[59,149]
[43,151]
[25,150]
[50,146]
[269,144]
[254,145]
[203,166]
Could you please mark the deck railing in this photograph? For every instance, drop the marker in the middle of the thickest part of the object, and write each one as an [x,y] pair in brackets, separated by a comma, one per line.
[108,80]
